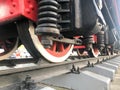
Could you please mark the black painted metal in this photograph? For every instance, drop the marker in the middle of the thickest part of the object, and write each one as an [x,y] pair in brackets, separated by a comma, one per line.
[65,15]
[100,39]
[27,84]
[47,17]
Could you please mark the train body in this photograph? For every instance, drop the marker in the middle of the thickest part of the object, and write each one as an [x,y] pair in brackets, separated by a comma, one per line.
[54,28]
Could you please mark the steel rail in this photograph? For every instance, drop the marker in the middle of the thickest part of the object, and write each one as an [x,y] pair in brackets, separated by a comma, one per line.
[43,70]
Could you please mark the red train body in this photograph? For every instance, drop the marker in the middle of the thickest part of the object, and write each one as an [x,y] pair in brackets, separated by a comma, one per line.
[14,9]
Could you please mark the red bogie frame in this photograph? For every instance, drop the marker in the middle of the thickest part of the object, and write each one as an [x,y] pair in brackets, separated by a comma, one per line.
[13,9]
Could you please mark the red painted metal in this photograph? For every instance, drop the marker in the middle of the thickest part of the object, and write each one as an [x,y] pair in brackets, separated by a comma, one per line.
[59,49]
[79,47]
[95,38]
[13,9]
[30,9]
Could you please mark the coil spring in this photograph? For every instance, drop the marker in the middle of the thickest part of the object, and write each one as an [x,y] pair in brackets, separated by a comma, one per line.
[88,39]
[47,17]
[100,39]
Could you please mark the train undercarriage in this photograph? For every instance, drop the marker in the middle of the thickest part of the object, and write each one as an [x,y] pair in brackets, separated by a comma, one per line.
[53,29]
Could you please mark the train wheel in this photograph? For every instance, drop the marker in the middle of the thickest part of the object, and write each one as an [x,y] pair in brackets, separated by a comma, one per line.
[58,52]
[8,47]
[107,51]
[80,52]
[93,52]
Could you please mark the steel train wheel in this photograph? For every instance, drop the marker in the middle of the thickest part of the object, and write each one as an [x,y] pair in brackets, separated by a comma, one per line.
[58,52]
[8,47]
[106,51]
[80,52]
[93,52]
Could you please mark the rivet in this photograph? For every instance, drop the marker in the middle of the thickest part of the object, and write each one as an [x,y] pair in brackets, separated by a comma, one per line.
[14,4]
[28,1]
[31,6]
[11,12]
[28,11]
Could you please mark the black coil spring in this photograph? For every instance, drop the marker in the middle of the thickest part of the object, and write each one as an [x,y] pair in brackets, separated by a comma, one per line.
[100,39]
[47,17]
[88,39]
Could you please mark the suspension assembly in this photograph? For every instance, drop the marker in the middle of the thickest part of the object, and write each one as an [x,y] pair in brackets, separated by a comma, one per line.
[88,41]
[100,39]
[47,17]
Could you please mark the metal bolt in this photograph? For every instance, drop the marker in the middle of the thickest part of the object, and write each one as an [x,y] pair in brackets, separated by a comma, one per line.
[78,70]
[28,11]
[31,7]
[28,1]
[14,4]
[88,64]
[11,12]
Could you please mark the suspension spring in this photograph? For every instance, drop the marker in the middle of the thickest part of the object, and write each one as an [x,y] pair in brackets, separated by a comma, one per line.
[47,18]
[88,39]
[100,39]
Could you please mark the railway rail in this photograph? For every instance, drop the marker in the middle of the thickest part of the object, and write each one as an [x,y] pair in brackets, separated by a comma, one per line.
[13,75]
[51,30]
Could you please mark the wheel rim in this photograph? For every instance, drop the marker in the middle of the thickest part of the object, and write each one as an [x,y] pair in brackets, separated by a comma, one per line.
[57,49]
[80,52]
[52,54]
[58,52]
[95,52]
[8,47]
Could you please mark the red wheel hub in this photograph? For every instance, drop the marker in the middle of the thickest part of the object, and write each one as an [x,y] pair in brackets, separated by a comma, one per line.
[59,49]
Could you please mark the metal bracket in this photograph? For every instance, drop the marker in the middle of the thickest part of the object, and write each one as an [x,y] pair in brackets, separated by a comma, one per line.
[90,64]
[62,40]
[99,62]
[75,70]
[27,84]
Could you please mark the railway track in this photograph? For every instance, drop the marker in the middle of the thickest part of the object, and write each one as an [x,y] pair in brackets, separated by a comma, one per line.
[15,71]
[51,30]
